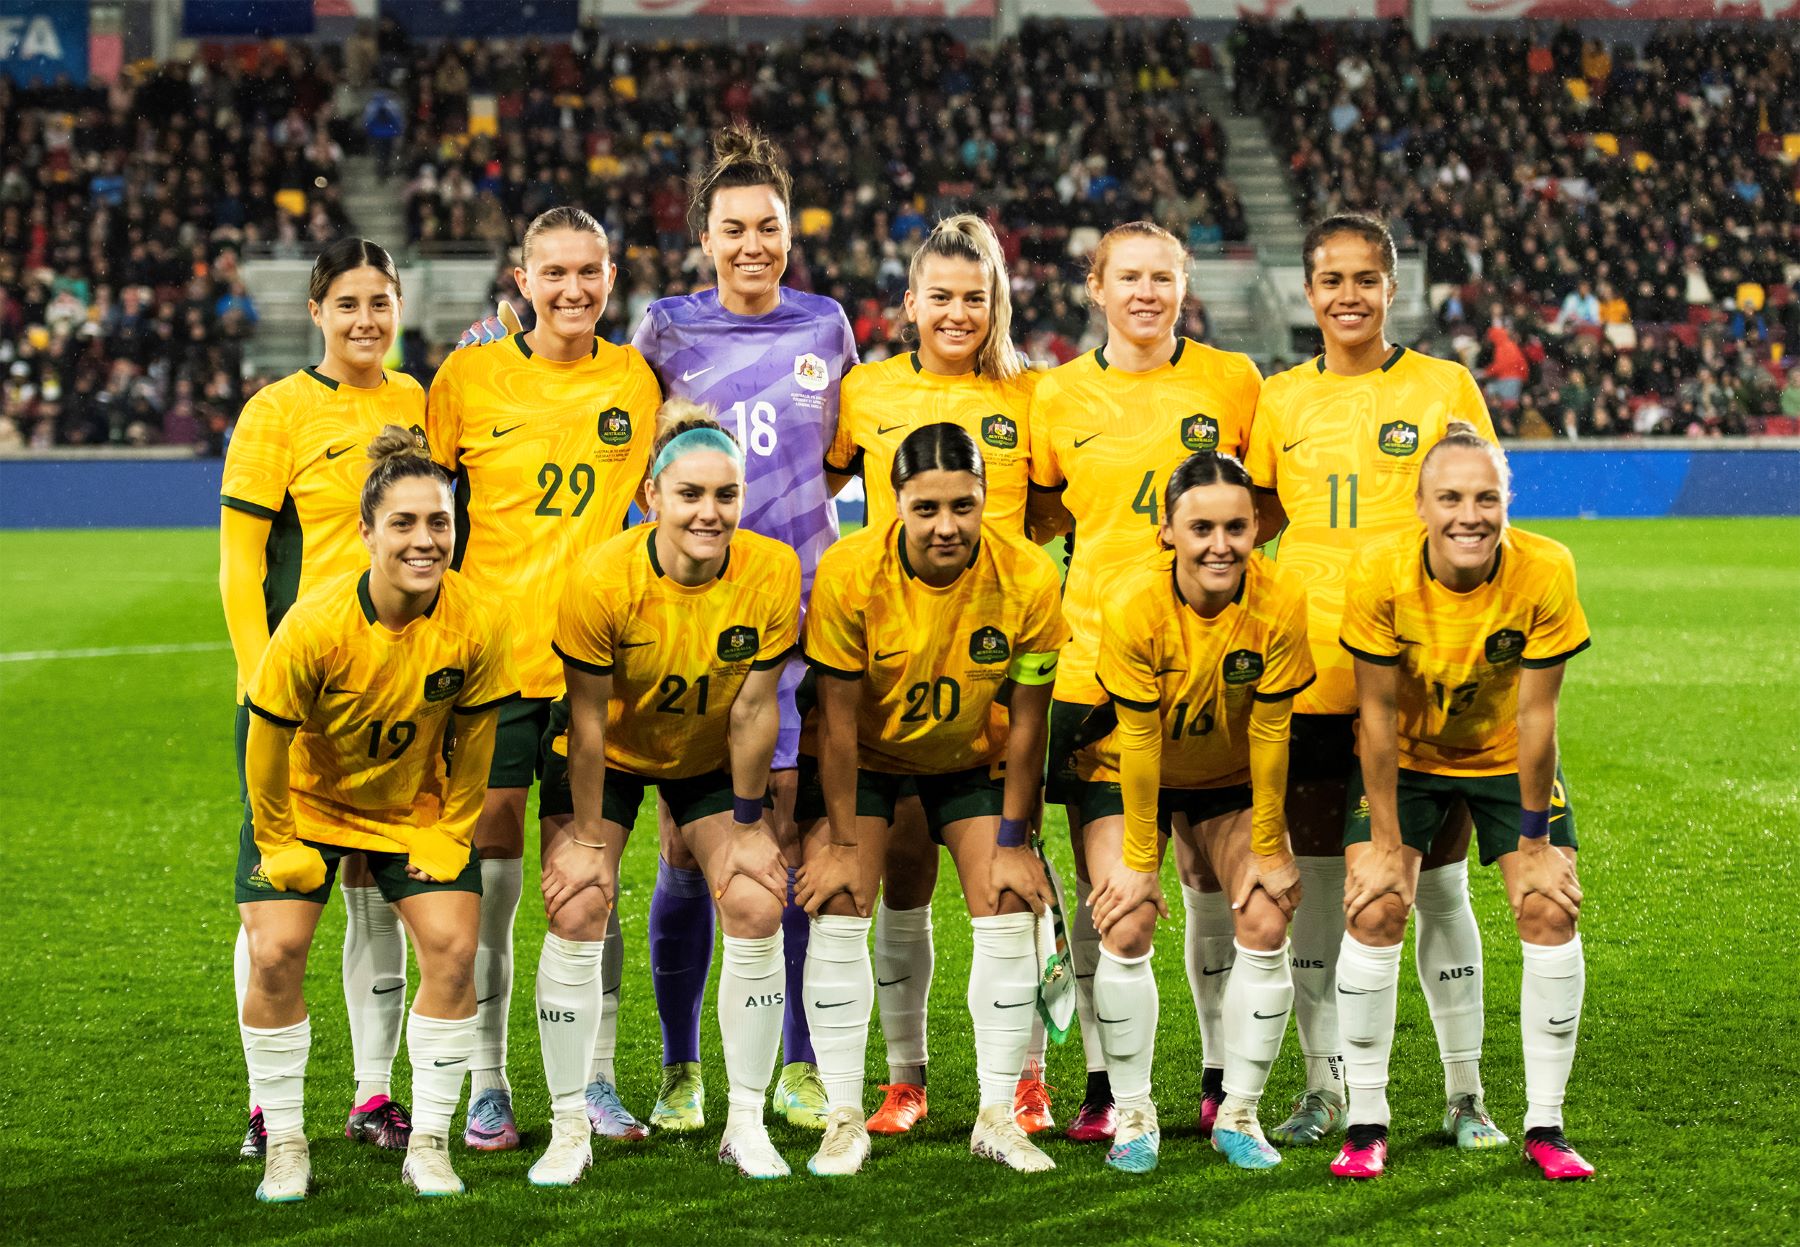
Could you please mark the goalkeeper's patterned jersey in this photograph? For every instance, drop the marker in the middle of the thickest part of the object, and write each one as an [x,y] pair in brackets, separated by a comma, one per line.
[553,454]
[1343,454]
[932,660]
[773,381]
[1459,654]
[298,458]
[1112,438]
[677,654]
[1200,675]
[884,402]
[371,705]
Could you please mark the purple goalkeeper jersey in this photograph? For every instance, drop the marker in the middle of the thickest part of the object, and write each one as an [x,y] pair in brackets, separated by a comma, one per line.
[773,380]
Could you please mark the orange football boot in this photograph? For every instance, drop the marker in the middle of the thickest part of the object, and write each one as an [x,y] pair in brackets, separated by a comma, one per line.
[903,1108]
[1031,1101]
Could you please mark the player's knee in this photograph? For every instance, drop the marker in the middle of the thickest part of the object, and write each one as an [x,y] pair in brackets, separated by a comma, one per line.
[1381,922]
[748,910]
[1260,925]
[582,917]
[1542,921]
[278,958]
[1132,935]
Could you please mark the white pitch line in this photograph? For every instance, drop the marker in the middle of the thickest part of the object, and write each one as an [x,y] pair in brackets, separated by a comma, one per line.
[112,651]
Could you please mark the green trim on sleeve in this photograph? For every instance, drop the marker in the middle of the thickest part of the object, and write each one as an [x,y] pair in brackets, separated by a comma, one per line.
[774,660]
[1259,695]
[1380,660]
[838,673]
[1537,664]
[276,719]
[483,707]
[853,468]
[249,508]
[592,668]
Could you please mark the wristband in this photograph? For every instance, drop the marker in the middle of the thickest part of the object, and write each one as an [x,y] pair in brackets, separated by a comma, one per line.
[1534,824]
[746,810]
[1012,833]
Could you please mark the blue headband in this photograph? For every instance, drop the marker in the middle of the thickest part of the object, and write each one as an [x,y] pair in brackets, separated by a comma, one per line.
[696,439]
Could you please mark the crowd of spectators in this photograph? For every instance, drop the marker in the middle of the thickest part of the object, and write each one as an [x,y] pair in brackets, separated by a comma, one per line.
[1611,233]
[124,211]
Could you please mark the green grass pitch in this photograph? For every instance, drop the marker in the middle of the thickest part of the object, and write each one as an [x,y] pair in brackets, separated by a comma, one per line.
[122,1098]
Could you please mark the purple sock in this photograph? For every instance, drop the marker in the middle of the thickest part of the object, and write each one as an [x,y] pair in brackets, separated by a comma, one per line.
[796,1038]
[681,947]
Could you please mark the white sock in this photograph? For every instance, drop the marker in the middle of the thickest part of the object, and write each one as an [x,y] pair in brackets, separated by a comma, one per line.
[374,987]
[1256,1014]
[502,881]
[1448,952]
[277,1061]
[1368,980]
[1126,1007]
[240,982]
[1002,997]
[438,1049]
[568,1008]
[903,965]
[612,975]
[1314,939]
[1209,949]
[840,994]
[752,978]
[1084,951]
[1550,991]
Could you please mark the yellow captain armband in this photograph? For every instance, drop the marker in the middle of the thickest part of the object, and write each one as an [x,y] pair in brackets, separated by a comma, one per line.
[1033,669]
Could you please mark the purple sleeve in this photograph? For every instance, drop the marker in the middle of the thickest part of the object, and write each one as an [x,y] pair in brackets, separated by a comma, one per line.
[648,341]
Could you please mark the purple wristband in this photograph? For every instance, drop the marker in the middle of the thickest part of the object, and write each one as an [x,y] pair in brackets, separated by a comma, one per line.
[1534,824]
[747,810]
[1012,833]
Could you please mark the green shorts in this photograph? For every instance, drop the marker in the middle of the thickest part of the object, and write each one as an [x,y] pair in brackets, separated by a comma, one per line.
[1095,799]
[1073,727]
[948,798]
[518,743]
[1322,748]
[389,870]
[1493,801]
[689,799]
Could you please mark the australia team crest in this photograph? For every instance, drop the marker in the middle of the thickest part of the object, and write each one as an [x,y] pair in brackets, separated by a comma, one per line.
[1000,432]
[615,427]
[738,643]
[810,372]
[444,682]
[1200,432]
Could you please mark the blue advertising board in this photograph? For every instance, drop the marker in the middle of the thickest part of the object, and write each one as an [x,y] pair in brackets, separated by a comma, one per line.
[42,41]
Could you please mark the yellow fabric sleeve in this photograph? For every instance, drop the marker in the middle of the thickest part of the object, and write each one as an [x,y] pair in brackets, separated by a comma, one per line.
[442,850]
[1139,735]
[289,864]
[243,538]
[1269,723]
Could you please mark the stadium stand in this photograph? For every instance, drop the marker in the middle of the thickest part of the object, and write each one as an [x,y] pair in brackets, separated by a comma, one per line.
[1611,234]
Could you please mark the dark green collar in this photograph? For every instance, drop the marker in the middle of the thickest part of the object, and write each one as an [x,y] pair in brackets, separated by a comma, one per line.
[656,563]
[1180,346]
[368,603]
[519,341]
[906,563]
[1499,553]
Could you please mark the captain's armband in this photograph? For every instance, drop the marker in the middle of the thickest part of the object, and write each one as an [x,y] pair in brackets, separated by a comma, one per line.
[1033,669]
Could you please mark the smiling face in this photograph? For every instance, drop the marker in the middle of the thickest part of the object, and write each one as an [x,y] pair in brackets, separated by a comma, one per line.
[1462,500]
[747,238]
[1350,291]
[951,307]
[1212,531]
[359,317]
[568,277]
[1139,285]
[410,542]
[940,512]
[698,499]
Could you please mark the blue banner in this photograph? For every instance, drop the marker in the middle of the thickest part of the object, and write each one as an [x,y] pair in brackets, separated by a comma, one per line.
[42,41]
[463,19]
[215,19]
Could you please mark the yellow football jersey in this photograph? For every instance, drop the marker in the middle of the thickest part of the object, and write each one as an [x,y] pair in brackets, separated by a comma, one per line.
[677,654]
[931,660]
[881,403]
[1200,675]
[553,454]
[371,706]
[1459,654]
[1343,454]
[1110,439]
[298,458]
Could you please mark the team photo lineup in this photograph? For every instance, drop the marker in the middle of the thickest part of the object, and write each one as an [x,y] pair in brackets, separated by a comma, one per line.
[615,573]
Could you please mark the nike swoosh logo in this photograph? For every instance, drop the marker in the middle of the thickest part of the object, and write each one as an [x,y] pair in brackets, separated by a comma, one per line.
[500,432]
[332,454]
[455,1061]
[1110,1021]
[839,1004]
[611,991]
[1047,667]
[1287,446]
[666,973]
[888,428]
[487,1000]
[333,692]
[1349,991]
[634,644]
[1562,1021]
[382,991]
[1083,441]
[698,372]
[893,653]
[1020,1005]
[891,982]
[1266,1016]
[1210,973]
